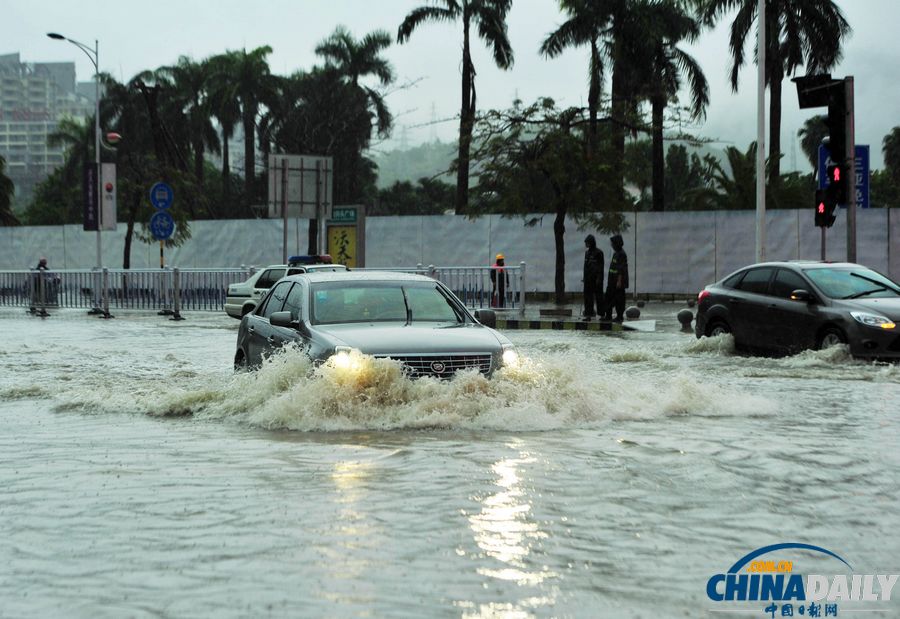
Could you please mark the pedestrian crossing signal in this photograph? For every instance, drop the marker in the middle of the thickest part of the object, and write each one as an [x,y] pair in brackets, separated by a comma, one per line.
[825,206]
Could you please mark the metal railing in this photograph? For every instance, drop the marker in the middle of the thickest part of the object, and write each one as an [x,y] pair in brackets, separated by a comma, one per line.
[168,291]
[171,291]
[477,287]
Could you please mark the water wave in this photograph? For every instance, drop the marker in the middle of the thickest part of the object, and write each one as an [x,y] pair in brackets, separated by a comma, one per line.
[719,344]
[287,392]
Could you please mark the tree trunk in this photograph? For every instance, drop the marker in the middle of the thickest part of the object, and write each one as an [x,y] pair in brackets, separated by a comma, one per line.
[226,170]
[659,160]
[593,99]
[618,122]
[466,115]
[559,232]
[249,156]
[198,160]
[129,235]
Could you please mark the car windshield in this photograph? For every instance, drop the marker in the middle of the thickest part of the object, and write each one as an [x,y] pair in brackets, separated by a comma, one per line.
[343,302]
[852,283]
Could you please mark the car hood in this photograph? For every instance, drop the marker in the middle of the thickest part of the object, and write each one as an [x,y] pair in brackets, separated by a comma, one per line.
[886,307]
[426,338]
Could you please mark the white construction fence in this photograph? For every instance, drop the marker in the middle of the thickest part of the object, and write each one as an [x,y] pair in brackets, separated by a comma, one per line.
[669,253]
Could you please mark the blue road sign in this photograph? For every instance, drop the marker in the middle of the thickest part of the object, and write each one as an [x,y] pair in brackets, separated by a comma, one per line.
[161,196]
[862,172]
[162,225]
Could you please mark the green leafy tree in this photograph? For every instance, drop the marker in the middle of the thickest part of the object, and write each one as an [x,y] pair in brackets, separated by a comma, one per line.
[427,197]
[890,148]
[489,17]
[533,158]
[7,189]
[143,157]
[798,33]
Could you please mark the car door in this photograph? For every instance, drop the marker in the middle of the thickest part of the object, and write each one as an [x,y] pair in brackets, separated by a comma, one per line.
[749,308]
[793,322]
[261,334]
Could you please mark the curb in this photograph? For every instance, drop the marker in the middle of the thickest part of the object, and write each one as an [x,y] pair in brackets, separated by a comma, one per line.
[563,325]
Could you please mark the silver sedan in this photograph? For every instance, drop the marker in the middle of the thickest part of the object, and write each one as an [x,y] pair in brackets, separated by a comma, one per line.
[412,319]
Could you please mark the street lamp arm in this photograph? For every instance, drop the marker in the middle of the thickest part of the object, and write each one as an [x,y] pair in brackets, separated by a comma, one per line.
[90,53]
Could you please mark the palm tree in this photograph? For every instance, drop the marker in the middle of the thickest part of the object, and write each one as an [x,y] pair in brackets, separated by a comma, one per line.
[668,25]
[189,84]
[254,85]
[811,134]
[225,108]
[358,59]
[586,25]
[7,218]
[798,33]
[489,16]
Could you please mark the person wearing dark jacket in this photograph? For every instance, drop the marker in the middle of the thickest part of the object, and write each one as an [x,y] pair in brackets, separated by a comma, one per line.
[617,280]
[593,278]
[499,282]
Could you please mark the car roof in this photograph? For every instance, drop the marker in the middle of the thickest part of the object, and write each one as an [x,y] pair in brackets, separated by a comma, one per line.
[807,264]
[320,265]
[360,276]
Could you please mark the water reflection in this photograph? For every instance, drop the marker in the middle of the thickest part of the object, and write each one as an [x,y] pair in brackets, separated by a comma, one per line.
[506,532]
[352,539]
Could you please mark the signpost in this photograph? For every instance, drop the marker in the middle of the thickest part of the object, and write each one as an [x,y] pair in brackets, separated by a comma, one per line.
[301,186]
[162,224]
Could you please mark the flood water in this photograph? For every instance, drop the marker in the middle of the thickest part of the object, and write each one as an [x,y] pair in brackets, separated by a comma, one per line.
[610,476]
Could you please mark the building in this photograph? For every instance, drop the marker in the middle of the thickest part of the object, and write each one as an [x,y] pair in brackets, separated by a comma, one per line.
[34,96]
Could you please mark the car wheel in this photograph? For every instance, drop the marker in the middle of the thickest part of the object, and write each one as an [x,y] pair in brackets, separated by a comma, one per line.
[718,327]
[240,362]
[831,337]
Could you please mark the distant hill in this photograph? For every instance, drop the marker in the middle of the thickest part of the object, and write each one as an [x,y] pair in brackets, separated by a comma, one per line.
[425,160]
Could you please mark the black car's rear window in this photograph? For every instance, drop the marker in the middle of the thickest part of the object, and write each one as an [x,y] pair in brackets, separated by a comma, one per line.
[732,282]
[756,281]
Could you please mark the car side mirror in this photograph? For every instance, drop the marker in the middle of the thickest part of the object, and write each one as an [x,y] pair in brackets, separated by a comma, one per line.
[487,317]
[281,319]
[802,295]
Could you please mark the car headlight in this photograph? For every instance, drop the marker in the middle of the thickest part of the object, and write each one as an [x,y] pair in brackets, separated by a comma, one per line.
[510,356]
[341,357]
[873,320]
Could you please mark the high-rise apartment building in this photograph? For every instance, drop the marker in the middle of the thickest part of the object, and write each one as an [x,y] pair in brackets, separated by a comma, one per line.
[34,96]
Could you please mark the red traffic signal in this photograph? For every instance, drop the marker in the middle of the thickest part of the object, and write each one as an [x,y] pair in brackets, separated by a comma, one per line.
[825,207]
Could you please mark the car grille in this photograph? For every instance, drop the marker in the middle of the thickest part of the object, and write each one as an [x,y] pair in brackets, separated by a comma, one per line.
[417,366]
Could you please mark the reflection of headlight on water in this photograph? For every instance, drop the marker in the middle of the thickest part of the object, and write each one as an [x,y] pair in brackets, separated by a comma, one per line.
[510,357]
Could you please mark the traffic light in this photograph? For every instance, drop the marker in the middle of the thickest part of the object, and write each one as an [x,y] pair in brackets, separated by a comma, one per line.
[837,182]
[825,206]
[837,121]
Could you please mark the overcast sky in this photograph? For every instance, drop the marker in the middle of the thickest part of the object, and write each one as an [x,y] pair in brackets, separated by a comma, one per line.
[138,35]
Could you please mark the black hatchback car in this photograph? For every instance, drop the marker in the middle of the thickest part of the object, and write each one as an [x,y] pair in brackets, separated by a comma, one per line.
[785,307]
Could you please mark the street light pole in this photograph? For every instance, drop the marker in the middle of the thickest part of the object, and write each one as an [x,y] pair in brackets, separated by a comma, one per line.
[95,60]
